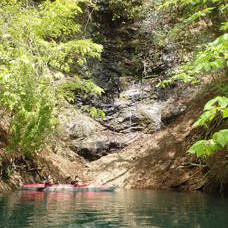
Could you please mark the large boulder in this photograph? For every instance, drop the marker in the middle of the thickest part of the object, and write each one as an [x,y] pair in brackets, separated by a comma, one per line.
[88,138]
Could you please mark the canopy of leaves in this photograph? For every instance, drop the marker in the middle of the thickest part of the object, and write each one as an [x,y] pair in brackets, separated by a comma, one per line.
[209,57]
[35,41]
[213,55]
[81,86]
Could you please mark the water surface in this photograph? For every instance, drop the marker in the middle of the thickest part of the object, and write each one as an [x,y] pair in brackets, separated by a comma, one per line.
[118,209]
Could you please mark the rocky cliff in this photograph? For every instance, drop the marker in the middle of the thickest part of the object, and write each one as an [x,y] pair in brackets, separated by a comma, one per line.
[143,139]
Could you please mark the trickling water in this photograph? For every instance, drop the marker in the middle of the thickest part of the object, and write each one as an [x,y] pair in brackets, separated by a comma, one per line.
[130,122]
[155,113]
[141,108]
[132,94]
[152,112]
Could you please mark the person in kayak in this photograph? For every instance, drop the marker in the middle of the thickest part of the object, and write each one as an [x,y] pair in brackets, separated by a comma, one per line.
[48,180]
[76,181]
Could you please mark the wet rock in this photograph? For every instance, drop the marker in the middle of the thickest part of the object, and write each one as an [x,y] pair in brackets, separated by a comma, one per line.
[88,138]
[98,145]
[135,110]
[77,125]
[171,110]
[132,107]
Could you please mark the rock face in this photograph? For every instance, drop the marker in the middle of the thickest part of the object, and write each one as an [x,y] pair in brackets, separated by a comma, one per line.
[157,161]
[137,111]
[98,145]
[161,160]
[134,113]
[171,109]
[141,142]
[132,65]
[89,138]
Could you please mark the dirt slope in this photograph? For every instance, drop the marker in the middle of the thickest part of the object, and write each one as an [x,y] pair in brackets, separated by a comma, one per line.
[158,161]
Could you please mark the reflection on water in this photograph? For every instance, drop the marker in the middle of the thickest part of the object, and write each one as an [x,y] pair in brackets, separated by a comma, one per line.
[118,209]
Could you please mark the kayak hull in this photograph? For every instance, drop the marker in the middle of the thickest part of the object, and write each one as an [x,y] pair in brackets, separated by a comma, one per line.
[79,189]
[33,187]
[68,188]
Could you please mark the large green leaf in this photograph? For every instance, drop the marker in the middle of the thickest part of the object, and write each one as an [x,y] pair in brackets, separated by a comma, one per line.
[221,102]
[203,147]
[225,113]
[221,138]
[205,118]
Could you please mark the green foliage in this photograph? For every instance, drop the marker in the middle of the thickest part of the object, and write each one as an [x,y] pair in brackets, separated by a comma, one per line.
[219,139]
[212,57]
[64,55]
[203,147]
[34,42]
[207,147]
[57,19]
[94,112]
[199,14]
[214,106]
[224,26]
[79,86]
[192,6]
[9,172]
[125,10]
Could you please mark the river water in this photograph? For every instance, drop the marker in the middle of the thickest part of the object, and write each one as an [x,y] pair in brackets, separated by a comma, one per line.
[117,209]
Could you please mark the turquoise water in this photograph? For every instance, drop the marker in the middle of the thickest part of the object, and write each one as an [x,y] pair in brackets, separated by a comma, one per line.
[118,209]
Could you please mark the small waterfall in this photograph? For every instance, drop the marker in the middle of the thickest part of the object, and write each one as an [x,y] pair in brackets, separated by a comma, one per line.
[141,113]
[156,112]
[130,121]
[133,94]
[152,112]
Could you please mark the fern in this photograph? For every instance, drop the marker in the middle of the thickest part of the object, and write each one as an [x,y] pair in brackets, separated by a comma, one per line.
[34,42]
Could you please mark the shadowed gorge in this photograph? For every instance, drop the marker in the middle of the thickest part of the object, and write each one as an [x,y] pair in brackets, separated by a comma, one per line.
[130,93]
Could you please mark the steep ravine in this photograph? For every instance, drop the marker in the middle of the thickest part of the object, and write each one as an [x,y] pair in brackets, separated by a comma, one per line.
[143,140]
[132,65]
[157,161]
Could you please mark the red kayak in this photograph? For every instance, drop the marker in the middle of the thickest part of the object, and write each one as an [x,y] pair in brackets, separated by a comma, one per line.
[68,188]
